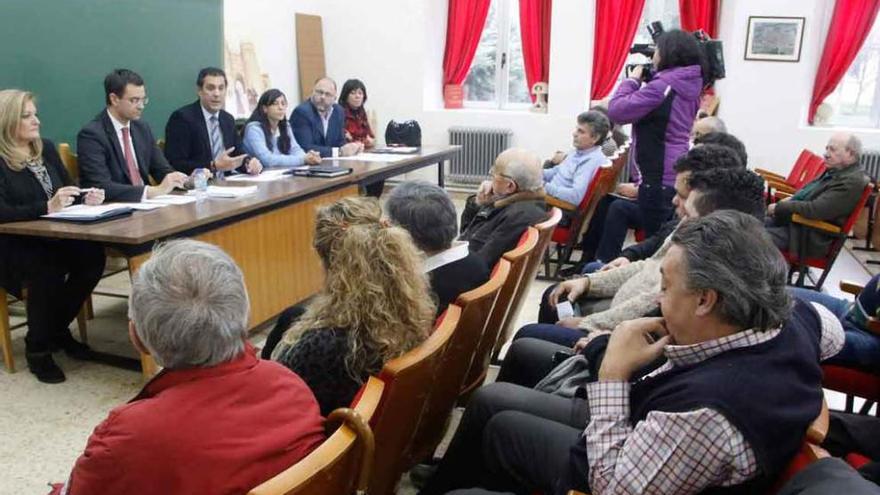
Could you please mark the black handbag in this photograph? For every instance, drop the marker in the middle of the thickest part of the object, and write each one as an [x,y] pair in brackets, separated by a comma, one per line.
[406,133]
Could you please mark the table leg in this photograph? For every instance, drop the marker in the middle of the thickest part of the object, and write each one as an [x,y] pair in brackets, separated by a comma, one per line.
[441,179]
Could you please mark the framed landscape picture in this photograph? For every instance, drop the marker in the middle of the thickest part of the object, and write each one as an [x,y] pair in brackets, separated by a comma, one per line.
[775,38]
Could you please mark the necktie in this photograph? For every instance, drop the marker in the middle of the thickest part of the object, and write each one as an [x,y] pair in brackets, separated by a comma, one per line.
[216,141]
[133,173]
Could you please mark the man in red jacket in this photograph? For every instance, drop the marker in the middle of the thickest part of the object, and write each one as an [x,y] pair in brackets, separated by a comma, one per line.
[217,419]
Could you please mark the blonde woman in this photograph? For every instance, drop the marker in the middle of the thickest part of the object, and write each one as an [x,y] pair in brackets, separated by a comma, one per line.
[375,304]
[58,274]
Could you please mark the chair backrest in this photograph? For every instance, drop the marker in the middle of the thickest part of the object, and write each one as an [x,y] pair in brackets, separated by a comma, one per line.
[545,231]
[810,450]
[518,258]
[854,215]
[601,183]
[68,158]
[161,144]
[408,380]
[341,464]
[476,305]
[796,175]
[814,168]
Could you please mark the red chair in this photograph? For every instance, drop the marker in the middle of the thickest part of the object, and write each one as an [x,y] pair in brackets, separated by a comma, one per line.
[799,262]
[807,167]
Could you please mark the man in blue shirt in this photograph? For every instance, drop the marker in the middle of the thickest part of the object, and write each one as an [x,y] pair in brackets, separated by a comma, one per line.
[570,179]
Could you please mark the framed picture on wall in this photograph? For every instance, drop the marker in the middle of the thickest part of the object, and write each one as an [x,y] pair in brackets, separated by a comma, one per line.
[775,38]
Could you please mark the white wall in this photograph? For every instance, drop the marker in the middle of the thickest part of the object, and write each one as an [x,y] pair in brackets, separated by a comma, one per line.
[396,48]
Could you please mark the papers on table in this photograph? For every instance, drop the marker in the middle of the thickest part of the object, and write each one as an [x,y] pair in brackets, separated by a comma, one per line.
[370,157]
[226,192]
[171,199]
[399,150]
[145,206]
[86,213]
[264,176]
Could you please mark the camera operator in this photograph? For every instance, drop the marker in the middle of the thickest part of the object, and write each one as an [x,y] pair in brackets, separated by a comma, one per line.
[662,113]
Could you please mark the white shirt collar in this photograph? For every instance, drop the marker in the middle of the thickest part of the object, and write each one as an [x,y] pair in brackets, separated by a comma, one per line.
[458,251]
[208,114]
[116,124]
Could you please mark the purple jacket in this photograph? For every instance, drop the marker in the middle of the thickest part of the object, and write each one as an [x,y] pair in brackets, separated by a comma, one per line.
[662,113]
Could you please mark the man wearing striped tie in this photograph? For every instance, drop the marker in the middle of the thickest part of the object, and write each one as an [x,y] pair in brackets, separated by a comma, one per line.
[202,134]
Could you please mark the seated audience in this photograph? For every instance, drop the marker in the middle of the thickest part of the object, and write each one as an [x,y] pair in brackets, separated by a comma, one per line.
[569,179]
[726,319]
[529,357]
[117,152]
[830,197]
[504,207]
[357,124]
[706,125]
[617,213]
[427,213]
[202,134]
[862,346]
[318,123]
[268,136]
[374,307]
[629,289]
[217,419]
[59,274]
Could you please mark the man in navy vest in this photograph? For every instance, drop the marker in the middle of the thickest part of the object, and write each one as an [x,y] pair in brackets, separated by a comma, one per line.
[729,408]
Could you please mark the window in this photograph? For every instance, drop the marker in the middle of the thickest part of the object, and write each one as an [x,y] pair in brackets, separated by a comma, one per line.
[497,78]
[665,11]
[856,101]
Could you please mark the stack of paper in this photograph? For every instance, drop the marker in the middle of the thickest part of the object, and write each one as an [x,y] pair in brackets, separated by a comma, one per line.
[370,157]
[264,176]
[227,192]
[86,212]
[171,199]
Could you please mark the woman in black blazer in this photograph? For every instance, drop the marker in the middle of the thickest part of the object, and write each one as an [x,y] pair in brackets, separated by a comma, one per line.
[58,274]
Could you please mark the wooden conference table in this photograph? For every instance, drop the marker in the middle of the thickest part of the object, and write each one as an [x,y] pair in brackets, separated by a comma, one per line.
[269,234]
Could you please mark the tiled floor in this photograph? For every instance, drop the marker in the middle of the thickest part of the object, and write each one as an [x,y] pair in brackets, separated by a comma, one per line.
[45,426]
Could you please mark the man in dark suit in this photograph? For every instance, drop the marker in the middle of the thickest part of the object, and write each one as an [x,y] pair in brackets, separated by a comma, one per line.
[202,134]
[318,122]
[830,197]
[117,152]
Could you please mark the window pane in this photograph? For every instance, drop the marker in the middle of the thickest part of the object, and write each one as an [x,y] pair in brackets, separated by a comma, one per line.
[480,82]
[517,86]
[856,101]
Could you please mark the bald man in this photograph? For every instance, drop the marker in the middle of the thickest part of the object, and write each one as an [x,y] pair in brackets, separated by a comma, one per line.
[318,122]
[706,125]
[830,197]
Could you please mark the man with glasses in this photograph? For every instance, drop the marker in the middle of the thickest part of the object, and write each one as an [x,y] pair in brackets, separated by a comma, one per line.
[318,122]
[117,152]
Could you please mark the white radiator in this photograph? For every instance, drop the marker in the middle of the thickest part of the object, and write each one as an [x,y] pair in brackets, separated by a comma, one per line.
[479,147]
[870,162]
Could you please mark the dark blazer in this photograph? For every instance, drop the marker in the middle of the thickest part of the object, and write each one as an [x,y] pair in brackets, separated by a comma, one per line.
[187,143]
[102,161]
[453,279]
[493,229]
[21,195]
[309,130]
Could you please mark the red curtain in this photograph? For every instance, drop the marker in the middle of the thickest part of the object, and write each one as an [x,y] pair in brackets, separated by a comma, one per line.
[464,26]
[699,14]
[534,25]
[850,25]
[616,24]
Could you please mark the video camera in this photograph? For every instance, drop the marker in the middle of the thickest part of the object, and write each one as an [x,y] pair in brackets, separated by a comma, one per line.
[711,50]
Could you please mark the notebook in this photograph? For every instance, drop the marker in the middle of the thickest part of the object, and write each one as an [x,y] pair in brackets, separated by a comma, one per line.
[326,171]
[87,214]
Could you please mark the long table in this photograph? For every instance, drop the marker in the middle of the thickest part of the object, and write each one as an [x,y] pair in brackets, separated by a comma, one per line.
[269,234]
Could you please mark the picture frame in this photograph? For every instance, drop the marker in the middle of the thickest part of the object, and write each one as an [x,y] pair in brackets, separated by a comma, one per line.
[776,39]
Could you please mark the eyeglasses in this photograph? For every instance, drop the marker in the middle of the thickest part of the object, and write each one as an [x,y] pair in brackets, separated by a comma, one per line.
[137,100]
[324,94]
[495,173]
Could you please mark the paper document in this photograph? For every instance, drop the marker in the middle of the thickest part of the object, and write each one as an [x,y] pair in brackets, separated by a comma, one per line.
[171,199]
[369,157]
[564,309]
[145,206]
[227,192]
[84,212]
[264,176]
[400,150]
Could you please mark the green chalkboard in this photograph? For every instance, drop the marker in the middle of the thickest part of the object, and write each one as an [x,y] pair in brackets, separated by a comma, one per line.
[62,49]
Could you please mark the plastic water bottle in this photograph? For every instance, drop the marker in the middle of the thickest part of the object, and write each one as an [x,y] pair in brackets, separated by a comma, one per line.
[200,183]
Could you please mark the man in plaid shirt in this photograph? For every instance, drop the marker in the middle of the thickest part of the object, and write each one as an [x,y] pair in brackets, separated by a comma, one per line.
[729,408]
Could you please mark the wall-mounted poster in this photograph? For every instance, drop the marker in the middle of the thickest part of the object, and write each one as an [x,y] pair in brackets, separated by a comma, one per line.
[775,38]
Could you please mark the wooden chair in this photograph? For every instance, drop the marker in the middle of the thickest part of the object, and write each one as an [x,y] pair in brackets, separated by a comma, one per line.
[476,305]
[545,231]
[800,262]
[68,158]
[339,466]
[852,381]
[161,144]
[807,167]
[518,259]
[407,382]
[6,329]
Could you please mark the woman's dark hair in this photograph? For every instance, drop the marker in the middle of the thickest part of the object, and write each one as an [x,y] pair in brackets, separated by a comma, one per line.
[258,115]
[680,49]
[348,87]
